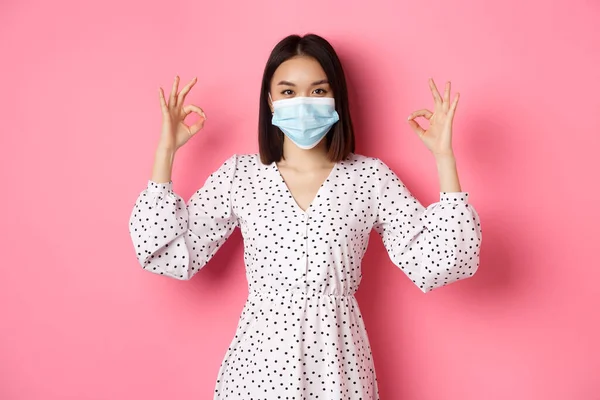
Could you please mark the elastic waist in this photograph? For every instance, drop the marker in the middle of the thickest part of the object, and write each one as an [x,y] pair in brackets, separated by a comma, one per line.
[296,293]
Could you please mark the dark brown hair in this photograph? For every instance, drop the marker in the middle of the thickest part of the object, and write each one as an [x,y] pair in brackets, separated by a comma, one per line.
[340,139]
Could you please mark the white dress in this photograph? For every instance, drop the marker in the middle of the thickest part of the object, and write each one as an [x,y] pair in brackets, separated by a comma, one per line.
[301,334]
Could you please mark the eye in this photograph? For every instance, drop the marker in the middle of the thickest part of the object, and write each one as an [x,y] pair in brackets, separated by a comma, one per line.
[287,92]
[320,91]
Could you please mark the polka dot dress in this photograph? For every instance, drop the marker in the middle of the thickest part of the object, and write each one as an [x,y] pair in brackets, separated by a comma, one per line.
[301,334]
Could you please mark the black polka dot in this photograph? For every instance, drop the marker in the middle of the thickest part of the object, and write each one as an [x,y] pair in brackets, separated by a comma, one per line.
[301,334]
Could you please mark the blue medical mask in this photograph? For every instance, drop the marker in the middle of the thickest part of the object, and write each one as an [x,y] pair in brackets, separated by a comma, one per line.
[305,120]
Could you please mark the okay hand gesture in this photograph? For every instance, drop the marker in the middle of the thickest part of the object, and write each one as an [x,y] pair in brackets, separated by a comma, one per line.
[175,132]
[438,136]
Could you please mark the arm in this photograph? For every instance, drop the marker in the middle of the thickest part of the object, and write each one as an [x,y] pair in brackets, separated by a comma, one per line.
[163,165]
[447,173]
[177,239]
[434,245]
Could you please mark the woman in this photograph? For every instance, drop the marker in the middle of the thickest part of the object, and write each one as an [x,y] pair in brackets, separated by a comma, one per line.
[305,206]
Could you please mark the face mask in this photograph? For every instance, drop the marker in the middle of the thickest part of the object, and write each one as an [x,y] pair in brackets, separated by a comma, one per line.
[305,120]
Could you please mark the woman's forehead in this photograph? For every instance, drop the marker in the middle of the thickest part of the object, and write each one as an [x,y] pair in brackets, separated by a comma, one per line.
[299,70]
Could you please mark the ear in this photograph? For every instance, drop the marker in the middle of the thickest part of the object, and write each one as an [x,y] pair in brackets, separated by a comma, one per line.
[271,104]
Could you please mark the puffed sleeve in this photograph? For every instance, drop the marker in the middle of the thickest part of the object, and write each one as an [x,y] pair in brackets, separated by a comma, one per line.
[434,246]
[176,239]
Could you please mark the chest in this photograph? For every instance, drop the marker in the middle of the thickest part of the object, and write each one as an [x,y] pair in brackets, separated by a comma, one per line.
[278,209]
[303,187]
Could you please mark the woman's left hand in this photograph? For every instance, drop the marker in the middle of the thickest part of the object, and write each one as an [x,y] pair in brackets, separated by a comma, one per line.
[438,137]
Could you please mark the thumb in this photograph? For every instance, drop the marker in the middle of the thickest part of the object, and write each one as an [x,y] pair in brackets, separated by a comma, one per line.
[416,127]
[194,128]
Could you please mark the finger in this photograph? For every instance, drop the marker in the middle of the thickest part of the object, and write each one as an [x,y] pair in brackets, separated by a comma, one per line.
[434,91]
[173,98]
[194,128]
[453,106]
[163,103]
[193,108]
[185,91]
[416,127]
[447,95]
[421,113]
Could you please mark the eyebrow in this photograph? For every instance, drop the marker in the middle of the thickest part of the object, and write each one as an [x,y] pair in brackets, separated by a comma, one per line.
[321,82]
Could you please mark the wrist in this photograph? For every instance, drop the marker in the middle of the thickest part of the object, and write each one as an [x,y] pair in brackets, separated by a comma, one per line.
[444,157]
[165,151]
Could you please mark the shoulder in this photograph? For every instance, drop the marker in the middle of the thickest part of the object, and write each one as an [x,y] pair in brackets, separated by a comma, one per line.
[248,159]
[242,160]
[372,169]
[245,164]
[360,161]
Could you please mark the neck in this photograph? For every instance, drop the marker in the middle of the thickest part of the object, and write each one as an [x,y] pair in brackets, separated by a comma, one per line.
[299,158]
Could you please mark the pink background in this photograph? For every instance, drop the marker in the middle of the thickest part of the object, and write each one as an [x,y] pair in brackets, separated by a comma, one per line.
[81,118]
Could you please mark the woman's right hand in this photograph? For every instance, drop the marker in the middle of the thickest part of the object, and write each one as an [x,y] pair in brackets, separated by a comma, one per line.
[175,133]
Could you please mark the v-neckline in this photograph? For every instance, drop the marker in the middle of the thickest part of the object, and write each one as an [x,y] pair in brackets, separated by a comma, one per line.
[291,196]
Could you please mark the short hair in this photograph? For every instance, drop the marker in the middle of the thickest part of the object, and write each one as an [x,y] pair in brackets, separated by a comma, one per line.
[340,138]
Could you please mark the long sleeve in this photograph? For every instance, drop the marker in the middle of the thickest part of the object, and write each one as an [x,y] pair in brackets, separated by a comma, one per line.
[433,246]
[176,239]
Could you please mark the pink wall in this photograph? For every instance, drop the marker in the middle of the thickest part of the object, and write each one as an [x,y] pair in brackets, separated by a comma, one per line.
[80,114]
